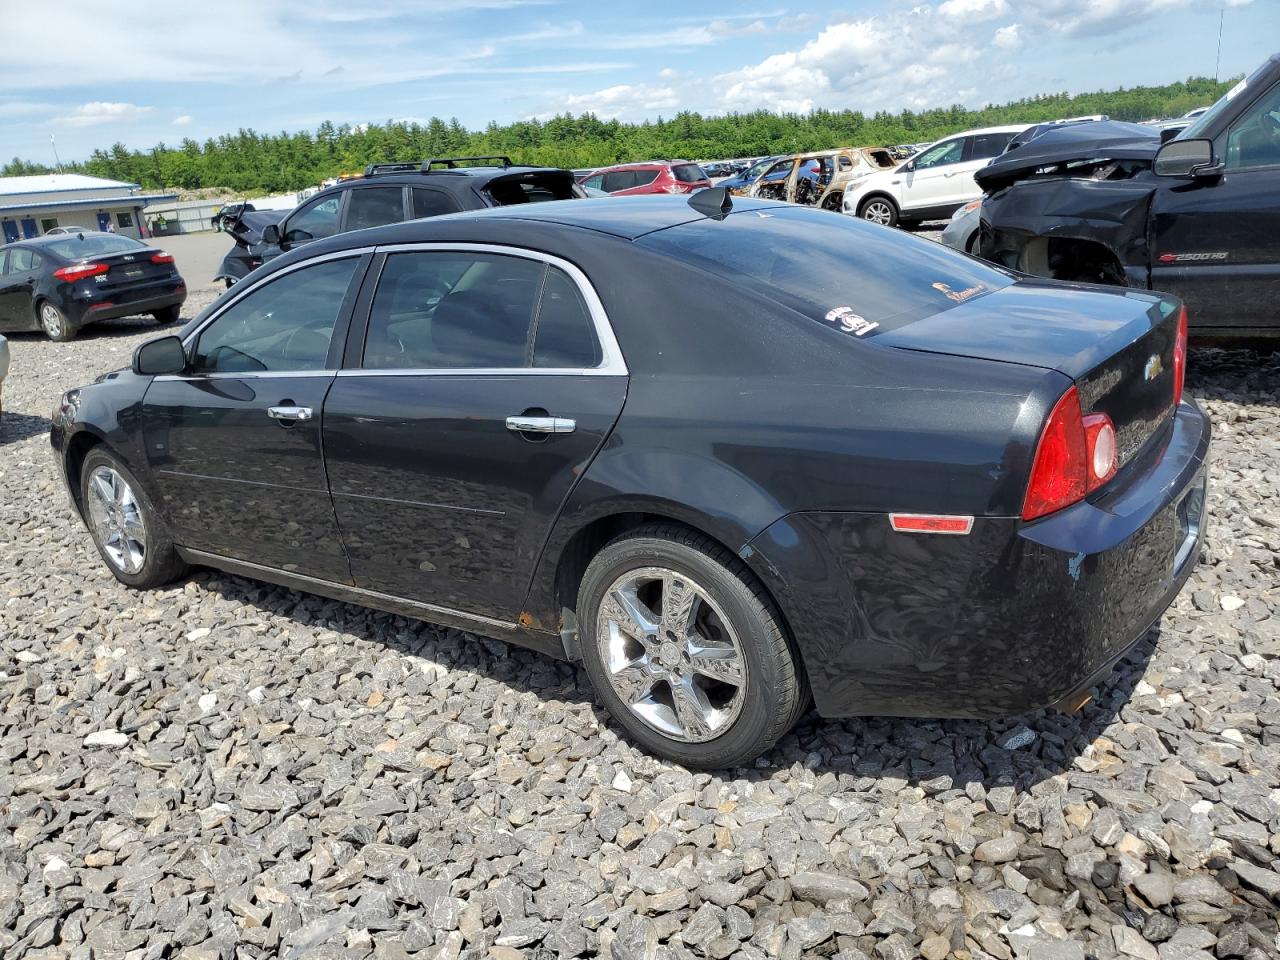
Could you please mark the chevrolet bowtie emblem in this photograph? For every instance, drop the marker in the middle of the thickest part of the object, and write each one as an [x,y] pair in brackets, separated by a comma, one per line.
[1153,368]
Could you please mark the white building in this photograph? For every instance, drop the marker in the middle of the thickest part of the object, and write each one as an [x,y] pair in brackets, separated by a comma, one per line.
[32,206]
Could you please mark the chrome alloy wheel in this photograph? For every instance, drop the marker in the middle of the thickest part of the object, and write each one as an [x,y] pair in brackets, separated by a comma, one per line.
[878,211]
[670,654]
[51,320]
[116,518]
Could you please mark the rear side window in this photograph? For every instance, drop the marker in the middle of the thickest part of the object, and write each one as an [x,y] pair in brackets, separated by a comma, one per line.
[851,276]
[564,335]
[988,145]
[689,173]
[451,310]
[374,207]
[432,203]
[22,260]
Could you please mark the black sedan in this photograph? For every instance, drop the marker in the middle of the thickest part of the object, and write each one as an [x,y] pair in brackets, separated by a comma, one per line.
[731,459]
[61,282]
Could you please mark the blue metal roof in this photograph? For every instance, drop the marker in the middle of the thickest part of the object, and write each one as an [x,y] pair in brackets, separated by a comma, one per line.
[138,200]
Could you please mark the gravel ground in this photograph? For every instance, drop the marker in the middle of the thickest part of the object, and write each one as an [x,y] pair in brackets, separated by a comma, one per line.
[226,769]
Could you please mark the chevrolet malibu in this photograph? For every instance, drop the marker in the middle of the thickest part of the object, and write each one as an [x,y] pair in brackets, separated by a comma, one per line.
[733,456]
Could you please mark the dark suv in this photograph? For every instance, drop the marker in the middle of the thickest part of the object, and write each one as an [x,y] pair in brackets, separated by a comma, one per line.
[390,193]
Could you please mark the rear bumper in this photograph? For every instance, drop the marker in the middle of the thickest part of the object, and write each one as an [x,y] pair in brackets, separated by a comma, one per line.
[1009,619]
[126,303]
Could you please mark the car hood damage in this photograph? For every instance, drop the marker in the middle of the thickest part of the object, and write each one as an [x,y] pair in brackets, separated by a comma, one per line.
[1104,150]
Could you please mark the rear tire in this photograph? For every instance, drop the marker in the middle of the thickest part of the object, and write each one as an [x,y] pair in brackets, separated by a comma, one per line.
[54,323]
[677,625]
[879,210]
[169,314]
[125,527]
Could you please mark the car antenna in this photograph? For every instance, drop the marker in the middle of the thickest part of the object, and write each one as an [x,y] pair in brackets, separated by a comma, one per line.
[713,202]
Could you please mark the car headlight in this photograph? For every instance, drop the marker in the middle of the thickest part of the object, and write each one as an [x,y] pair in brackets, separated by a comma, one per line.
[67,407]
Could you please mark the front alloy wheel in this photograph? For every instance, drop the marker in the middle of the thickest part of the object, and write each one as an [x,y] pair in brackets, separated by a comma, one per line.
[670,655]
[116,518]
[879,210]
[686,649]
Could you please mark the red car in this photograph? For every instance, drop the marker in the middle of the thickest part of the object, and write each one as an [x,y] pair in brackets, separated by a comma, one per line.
[636,179]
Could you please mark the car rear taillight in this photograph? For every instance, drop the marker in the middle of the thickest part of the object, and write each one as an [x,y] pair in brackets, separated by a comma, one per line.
[1180,357]
[1075,456]
[162,258]
[79,271]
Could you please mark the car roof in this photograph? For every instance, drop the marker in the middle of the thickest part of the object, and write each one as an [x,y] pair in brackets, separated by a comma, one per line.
[51,238]
[1007,128]
[474,175]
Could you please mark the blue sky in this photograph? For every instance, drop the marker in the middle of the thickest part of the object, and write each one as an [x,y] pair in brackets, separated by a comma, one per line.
[198,70]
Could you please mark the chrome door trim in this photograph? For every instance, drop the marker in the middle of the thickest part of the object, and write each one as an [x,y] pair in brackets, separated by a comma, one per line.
[611,363]
[302,581]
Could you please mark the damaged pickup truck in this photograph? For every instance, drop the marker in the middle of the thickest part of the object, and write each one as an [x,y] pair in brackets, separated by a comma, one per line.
[1197,216]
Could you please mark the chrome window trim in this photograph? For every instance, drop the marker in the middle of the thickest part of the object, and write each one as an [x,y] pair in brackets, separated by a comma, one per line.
[612,363]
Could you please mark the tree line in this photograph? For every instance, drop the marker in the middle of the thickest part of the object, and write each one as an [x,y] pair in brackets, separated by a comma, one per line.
[248,161]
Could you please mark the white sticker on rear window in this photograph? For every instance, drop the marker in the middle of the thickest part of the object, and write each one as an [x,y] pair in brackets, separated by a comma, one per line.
[850,322]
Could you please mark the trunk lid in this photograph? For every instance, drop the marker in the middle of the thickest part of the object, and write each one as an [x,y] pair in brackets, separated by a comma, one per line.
[136,266]
[1116,344]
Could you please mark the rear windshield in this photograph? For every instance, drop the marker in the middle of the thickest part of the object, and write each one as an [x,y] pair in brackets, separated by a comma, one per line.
[532,188]
[855,277]
[689,173]
[93,245]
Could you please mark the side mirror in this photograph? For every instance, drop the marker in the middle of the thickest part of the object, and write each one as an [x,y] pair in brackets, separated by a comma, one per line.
[908,167]
[160,356]
[1186,158]
[271,234]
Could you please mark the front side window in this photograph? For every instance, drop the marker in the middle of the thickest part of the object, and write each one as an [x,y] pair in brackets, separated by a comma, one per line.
[1254,139]
[375,207]
[594,181]
[941,154]
[314,222]
[285,324]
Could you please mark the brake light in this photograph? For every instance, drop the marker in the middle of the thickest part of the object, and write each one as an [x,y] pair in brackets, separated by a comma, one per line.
[1075,456]
[1180,357]
[162,258]
[79,271]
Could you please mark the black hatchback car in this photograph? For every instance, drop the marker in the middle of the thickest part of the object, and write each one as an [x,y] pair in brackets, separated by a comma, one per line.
[388,193]
[725,457]
[61,282]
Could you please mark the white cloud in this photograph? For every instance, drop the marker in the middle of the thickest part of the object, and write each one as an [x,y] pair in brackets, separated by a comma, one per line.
[1074,18]
[182,121]
[100,111]
[1008,38]
[975,11]
[623,101]
[667,73]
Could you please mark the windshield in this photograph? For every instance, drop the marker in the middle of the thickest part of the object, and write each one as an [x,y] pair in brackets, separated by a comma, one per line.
[93,245]
[1202,122]
[757,169]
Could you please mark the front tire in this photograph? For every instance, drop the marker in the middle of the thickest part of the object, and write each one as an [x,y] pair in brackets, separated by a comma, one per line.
[879,210]
[124,524]
[54,323]
[686,651]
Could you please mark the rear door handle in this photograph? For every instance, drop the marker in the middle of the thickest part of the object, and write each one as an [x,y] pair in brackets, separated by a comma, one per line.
[541,425]
[289,414]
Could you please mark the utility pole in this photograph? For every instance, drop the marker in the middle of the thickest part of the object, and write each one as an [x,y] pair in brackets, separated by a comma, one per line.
[1222,12]
[56,162]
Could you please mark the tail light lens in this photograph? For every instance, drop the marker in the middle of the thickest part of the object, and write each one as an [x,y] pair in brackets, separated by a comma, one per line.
[1180,357]
[162,258]
[1075,456]
[78,271]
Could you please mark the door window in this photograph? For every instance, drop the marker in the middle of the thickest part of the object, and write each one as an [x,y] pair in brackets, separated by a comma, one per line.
[285,324]
[1254,139]
[22,260]
[988,145]
[445,310]
[374,207]
[594,181]
[432,203]
[941,154]
[564,335]
[314,222]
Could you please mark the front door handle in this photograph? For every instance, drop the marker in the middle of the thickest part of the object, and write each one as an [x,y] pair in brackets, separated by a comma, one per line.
[541,424]
[289,414]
